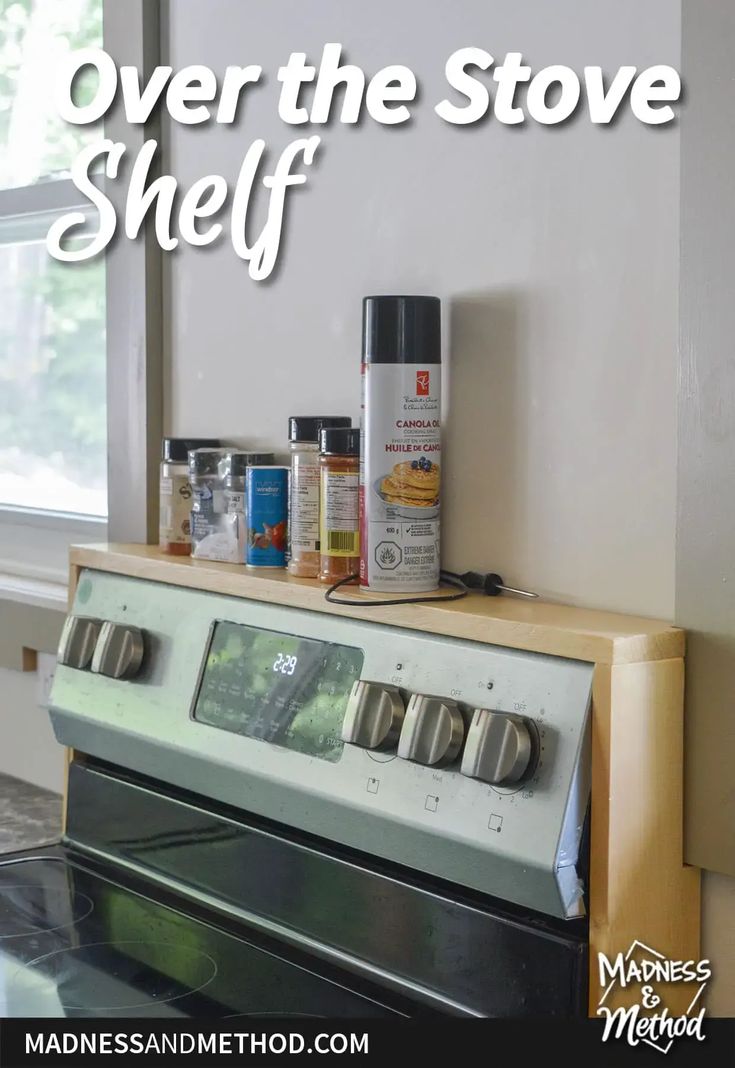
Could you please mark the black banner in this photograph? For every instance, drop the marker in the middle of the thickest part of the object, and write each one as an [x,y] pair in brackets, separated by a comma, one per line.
[260,1041]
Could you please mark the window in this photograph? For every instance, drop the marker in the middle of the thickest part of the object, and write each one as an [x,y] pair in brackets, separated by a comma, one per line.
[52,327]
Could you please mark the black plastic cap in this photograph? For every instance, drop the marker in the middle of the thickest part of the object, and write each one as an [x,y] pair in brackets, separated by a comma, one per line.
[401,330]
[234,464]
[339,441]
[308,427]
[176,450]
[206,461]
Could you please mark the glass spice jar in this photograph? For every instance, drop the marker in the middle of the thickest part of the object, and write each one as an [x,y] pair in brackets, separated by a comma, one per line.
[209,537]
[233,467]
[174,526]
[303,435]
[339,527]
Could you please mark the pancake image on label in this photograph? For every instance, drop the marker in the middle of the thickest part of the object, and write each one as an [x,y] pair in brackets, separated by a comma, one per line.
[414,483]
[424,475]
[411,502]
[395,488]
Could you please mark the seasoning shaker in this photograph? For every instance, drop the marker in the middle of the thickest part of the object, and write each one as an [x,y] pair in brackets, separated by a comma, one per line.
[209,539]
[339,533]
[174,525]
[303,434]
[233,467]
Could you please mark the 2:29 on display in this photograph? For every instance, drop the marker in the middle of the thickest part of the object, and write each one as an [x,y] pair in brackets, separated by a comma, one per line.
[285,665]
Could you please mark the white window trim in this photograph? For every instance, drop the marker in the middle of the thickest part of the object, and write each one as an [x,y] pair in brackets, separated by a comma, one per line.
[34,544]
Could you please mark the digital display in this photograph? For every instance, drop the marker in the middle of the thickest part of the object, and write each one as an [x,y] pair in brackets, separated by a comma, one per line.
[286,690]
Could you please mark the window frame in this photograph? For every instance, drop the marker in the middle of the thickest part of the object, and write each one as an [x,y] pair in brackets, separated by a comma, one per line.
[34,542]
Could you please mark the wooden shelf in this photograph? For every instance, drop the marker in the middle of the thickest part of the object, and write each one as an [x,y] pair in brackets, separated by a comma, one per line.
[536,626]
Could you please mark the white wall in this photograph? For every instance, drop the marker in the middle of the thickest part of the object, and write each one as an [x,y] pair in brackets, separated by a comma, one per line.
[28,749]
[555,251]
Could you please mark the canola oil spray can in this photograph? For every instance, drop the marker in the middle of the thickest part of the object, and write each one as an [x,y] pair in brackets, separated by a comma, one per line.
[400,469]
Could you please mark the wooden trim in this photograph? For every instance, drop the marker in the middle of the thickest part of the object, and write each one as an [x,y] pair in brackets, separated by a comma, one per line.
[27,629]
[558,630]
[640,888]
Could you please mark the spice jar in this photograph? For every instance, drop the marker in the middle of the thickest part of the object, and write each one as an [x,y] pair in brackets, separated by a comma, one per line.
[339,534]
[303,434]
[209,538]
[233,466]
[175,493]
[266,489]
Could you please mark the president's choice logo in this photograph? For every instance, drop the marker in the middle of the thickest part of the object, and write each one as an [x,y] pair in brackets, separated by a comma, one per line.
[651,977]
[422,383]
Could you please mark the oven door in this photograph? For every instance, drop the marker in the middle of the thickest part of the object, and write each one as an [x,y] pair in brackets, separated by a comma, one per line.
[431,945]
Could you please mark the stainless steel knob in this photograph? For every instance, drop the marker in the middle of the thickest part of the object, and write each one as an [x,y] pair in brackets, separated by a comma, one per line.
[78,640]
[432,731]
[499,748]
[119,651]
[374,716]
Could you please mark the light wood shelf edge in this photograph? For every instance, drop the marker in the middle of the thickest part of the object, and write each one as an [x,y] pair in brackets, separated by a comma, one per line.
[640,888]
[535,626]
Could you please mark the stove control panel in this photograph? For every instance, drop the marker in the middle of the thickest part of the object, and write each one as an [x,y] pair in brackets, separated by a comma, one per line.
[498,747]
[465,761]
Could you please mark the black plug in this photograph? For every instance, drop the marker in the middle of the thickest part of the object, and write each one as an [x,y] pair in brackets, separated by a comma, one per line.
[491,584]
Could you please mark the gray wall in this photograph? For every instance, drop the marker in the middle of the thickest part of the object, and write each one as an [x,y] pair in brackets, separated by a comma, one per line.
[706,488]
[555,251]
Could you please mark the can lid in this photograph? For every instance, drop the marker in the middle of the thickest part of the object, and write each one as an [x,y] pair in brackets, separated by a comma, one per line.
[339,441]
[205,461]
[176,450]
[401,329]
[235,462]
[308,427]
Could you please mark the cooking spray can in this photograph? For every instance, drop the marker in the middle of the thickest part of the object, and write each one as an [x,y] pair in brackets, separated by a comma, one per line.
[400,470]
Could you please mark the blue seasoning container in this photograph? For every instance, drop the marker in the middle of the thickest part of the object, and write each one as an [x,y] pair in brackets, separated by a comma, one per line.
[266,490]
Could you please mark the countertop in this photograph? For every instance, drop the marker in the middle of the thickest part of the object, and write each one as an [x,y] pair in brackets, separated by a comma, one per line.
[29,816]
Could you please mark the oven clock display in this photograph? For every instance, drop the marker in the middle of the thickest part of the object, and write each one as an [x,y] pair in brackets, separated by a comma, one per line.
[283,689]
[285,664]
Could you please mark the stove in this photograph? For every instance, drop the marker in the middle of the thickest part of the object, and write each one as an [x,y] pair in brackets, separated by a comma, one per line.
[74,943]
[275,811]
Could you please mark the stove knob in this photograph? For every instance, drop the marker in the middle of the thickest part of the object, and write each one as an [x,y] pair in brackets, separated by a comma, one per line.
[119,651]
[432,731]
[77,642]
[374,716]
[500,748]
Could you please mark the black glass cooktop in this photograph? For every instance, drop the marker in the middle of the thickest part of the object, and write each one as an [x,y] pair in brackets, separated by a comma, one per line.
[75,943]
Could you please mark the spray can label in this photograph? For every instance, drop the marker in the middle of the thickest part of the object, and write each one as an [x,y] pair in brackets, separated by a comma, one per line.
[400,477]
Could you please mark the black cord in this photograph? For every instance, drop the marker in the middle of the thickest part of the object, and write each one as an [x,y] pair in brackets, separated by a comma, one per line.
[33,860]
[447,577]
